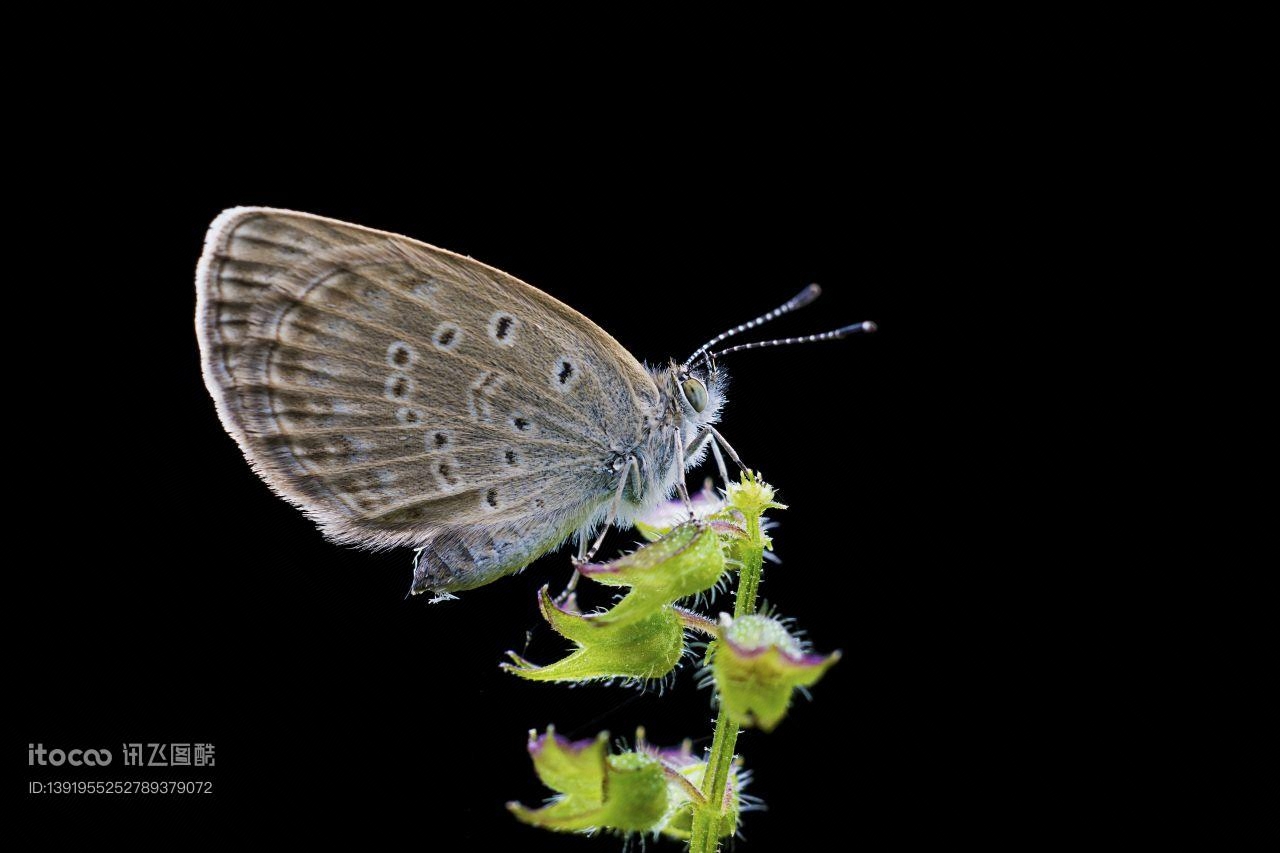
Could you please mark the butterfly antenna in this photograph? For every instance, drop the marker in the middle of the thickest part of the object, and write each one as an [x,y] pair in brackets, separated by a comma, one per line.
[856,328]
[800,300]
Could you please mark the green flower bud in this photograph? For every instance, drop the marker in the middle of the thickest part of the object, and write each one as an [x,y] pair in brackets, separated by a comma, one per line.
[648,790]
[758,664]
[642,636]
[575,770]
[685,562]
[752,496]
[649,647]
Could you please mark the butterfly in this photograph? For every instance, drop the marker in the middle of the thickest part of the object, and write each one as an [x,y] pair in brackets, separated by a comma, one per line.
[403,395]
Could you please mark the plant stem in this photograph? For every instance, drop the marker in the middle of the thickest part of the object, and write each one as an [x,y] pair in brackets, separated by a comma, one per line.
[708,818]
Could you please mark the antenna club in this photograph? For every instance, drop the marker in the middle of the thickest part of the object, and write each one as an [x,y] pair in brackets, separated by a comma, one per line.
[803,298]
[856,328]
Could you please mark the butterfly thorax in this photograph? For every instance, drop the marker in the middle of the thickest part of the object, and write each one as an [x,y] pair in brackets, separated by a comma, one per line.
[672,427]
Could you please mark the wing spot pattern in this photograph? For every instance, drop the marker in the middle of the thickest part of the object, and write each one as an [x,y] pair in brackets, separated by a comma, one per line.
[409,415]
[502,328]
[565,374]
[399,386]
[447,337]
[400,354]
[446,473]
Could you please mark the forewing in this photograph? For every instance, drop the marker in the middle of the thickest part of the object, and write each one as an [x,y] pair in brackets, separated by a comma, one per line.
[402,394]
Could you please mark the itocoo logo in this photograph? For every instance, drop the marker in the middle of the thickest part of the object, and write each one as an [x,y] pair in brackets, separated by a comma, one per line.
[37,754]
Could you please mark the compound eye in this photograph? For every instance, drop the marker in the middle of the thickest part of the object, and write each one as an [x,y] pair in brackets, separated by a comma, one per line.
[695,392]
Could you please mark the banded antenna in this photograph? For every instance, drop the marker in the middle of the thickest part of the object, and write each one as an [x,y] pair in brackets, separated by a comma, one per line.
[856,328]
[800,300]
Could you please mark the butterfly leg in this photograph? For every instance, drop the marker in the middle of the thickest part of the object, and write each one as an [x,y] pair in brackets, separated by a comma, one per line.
[565,600]
[733,454]
[566,596]
[696,445]
[724,472]
[628,466]
[677,462]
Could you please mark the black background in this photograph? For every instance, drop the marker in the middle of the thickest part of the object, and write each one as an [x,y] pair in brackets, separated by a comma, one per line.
[187,603]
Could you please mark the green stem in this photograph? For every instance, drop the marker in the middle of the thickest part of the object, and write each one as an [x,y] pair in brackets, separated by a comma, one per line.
[708,818]
[752,555]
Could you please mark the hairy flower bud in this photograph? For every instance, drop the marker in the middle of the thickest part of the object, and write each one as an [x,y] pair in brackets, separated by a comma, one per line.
[758,664]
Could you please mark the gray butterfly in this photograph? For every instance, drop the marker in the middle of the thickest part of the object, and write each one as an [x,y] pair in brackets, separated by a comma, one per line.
[400,394]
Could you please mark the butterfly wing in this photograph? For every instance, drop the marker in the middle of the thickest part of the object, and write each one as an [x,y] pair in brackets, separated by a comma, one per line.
[400,394]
